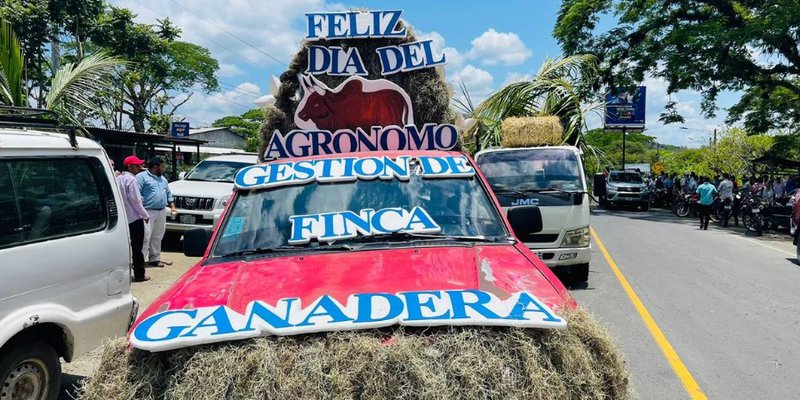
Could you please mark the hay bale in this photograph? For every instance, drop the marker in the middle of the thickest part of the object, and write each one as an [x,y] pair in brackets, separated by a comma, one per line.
[531,131]
[580,362]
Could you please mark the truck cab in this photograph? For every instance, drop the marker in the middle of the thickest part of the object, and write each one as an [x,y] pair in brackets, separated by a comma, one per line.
[551,178]
[626,188]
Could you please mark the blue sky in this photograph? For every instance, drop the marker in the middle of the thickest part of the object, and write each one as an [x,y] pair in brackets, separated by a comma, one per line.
[488,44]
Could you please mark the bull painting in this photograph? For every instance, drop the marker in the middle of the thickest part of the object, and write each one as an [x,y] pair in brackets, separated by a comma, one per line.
[355,103]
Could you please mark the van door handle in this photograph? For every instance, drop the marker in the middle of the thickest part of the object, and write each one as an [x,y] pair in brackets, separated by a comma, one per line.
[22,228]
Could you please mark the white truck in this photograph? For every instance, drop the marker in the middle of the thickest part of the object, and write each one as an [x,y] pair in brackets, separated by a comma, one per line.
[551,178]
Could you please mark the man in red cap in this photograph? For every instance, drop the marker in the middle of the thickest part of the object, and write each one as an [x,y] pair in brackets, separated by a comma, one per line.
[137,215]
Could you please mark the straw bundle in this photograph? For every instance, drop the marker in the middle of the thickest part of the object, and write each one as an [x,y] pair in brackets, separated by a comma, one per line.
[531,131]
[580,362]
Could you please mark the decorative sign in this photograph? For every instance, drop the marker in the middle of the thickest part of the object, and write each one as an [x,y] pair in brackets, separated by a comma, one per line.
[359,114]
[334,60]
[350,169]
[189,327]
[179,129]
[626,108]
[329,227]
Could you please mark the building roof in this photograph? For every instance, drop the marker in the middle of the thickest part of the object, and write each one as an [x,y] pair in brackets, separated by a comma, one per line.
[103,135]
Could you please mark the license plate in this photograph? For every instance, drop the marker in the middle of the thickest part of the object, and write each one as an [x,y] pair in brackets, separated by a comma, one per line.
[187,219]
[727,207]
[755,210]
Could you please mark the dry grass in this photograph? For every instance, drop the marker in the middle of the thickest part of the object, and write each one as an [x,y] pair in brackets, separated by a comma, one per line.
[531,131]
[580,362]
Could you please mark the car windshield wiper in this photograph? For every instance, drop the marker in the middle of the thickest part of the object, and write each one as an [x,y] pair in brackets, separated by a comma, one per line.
[286,249]
[413,237]
[503,189]
[550,189]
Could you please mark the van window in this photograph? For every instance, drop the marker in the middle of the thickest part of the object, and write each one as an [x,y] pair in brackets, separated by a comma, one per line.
[9,213]
[54,198]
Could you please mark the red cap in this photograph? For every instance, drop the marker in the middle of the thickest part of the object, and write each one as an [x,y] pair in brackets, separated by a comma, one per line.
[132,160]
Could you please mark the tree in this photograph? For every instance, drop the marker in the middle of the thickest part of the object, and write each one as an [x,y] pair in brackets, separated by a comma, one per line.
[246,125]
[12,65]
[72,89]
[703,45]
[42,27]
[163,67]
[558,88]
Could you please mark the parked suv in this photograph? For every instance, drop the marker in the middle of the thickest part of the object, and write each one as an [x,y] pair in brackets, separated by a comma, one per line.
[201,195]
[64,258]
[626,188]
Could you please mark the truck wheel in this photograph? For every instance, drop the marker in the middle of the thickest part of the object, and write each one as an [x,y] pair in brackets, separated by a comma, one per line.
[797,251]
[645,206]
[579,273]
[31,370]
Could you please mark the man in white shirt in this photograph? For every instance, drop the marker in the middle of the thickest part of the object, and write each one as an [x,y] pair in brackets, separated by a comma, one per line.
[726,195]
[778,189]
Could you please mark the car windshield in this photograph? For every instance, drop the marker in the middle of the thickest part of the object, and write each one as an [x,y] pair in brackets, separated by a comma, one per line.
[625,177]
[260,219]
[216,171]
[532,169]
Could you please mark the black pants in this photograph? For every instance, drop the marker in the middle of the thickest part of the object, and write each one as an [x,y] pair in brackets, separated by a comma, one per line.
[136,229]
[705,215]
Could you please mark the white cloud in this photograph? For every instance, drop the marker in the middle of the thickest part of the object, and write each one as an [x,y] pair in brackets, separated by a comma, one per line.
[203,109]
[478,82]
[513,77]
[229,71]
[494,48]
[454,58]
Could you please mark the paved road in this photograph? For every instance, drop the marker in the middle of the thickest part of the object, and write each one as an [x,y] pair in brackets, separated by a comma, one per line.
[728,304]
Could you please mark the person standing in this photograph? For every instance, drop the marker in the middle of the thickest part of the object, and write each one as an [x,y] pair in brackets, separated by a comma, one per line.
[706,192]
[156,197]
[726,196]
[135,211]
[779,189]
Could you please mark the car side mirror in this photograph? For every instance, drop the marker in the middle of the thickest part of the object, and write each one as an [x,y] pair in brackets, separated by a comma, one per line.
[195,242]
[599,187]
[182,175]
[525,221]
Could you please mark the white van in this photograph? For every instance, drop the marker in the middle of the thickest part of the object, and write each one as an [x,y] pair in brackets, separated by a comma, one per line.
[64,258]
[552,178]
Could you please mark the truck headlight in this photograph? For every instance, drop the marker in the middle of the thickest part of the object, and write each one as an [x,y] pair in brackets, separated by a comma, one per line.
[576,238]
[222,202]
[611,187]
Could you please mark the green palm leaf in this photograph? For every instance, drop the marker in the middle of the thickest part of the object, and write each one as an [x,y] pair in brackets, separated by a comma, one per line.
[74,86]
[554,90]
[11,65]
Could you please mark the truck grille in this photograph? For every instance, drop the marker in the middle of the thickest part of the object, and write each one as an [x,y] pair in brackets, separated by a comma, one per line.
[194,203]
[629,189]
[541,238]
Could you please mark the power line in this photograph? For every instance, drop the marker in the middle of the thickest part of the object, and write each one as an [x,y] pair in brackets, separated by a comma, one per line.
[239,90]
[232,35]
[222,46]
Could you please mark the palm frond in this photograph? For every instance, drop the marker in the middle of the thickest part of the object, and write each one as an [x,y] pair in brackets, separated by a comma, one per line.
[12,64]
[73,87]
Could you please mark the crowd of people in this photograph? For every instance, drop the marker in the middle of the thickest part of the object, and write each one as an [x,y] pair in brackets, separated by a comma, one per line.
[722,186]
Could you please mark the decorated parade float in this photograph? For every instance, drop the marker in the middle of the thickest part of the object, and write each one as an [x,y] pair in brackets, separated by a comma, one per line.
[366,257]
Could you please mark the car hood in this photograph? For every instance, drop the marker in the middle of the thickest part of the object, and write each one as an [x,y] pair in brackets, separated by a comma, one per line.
[189,188]
[498,269]
[355,290]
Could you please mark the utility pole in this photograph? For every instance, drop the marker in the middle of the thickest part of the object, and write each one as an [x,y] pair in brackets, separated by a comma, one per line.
[624,130]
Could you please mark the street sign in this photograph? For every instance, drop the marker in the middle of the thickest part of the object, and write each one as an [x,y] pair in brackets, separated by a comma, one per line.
[179,129]
[658,168]
[626,108]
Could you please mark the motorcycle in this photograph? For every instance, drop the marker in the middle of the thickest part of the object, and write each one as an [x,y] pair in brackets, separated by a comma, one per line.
[755,214]
[660,197]
[686,205]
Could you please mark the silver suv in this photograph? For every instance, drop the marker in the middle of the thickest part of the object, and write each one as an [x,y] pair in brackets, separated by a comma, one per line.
[201,195]
[626,188]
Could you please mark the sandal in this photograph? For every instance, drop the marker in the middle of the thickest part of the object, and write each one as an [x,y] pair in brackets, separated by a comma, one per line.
[145,279]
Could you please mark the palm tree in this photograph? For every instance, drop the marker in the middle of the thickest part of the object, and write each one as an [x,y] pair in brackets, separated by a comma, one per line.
[73,88]
[11,66]
[556,89]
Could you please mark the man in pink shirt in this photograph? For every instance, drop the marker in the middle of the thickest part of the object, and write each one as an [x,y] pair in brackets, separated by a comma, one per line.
[136,213]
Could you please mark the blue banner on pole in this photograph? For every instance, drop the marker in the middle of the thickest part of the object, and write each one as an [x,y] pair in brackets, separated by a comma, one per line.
[179,129]
[626,108]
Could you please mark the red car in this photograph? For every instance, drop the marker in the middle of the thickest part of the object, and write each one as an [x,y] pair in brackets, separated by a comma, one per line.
[356,241]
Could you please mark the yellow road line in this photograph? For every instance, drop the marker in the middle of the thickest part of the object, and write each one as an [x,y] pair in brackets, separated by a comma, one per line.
[675,362]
